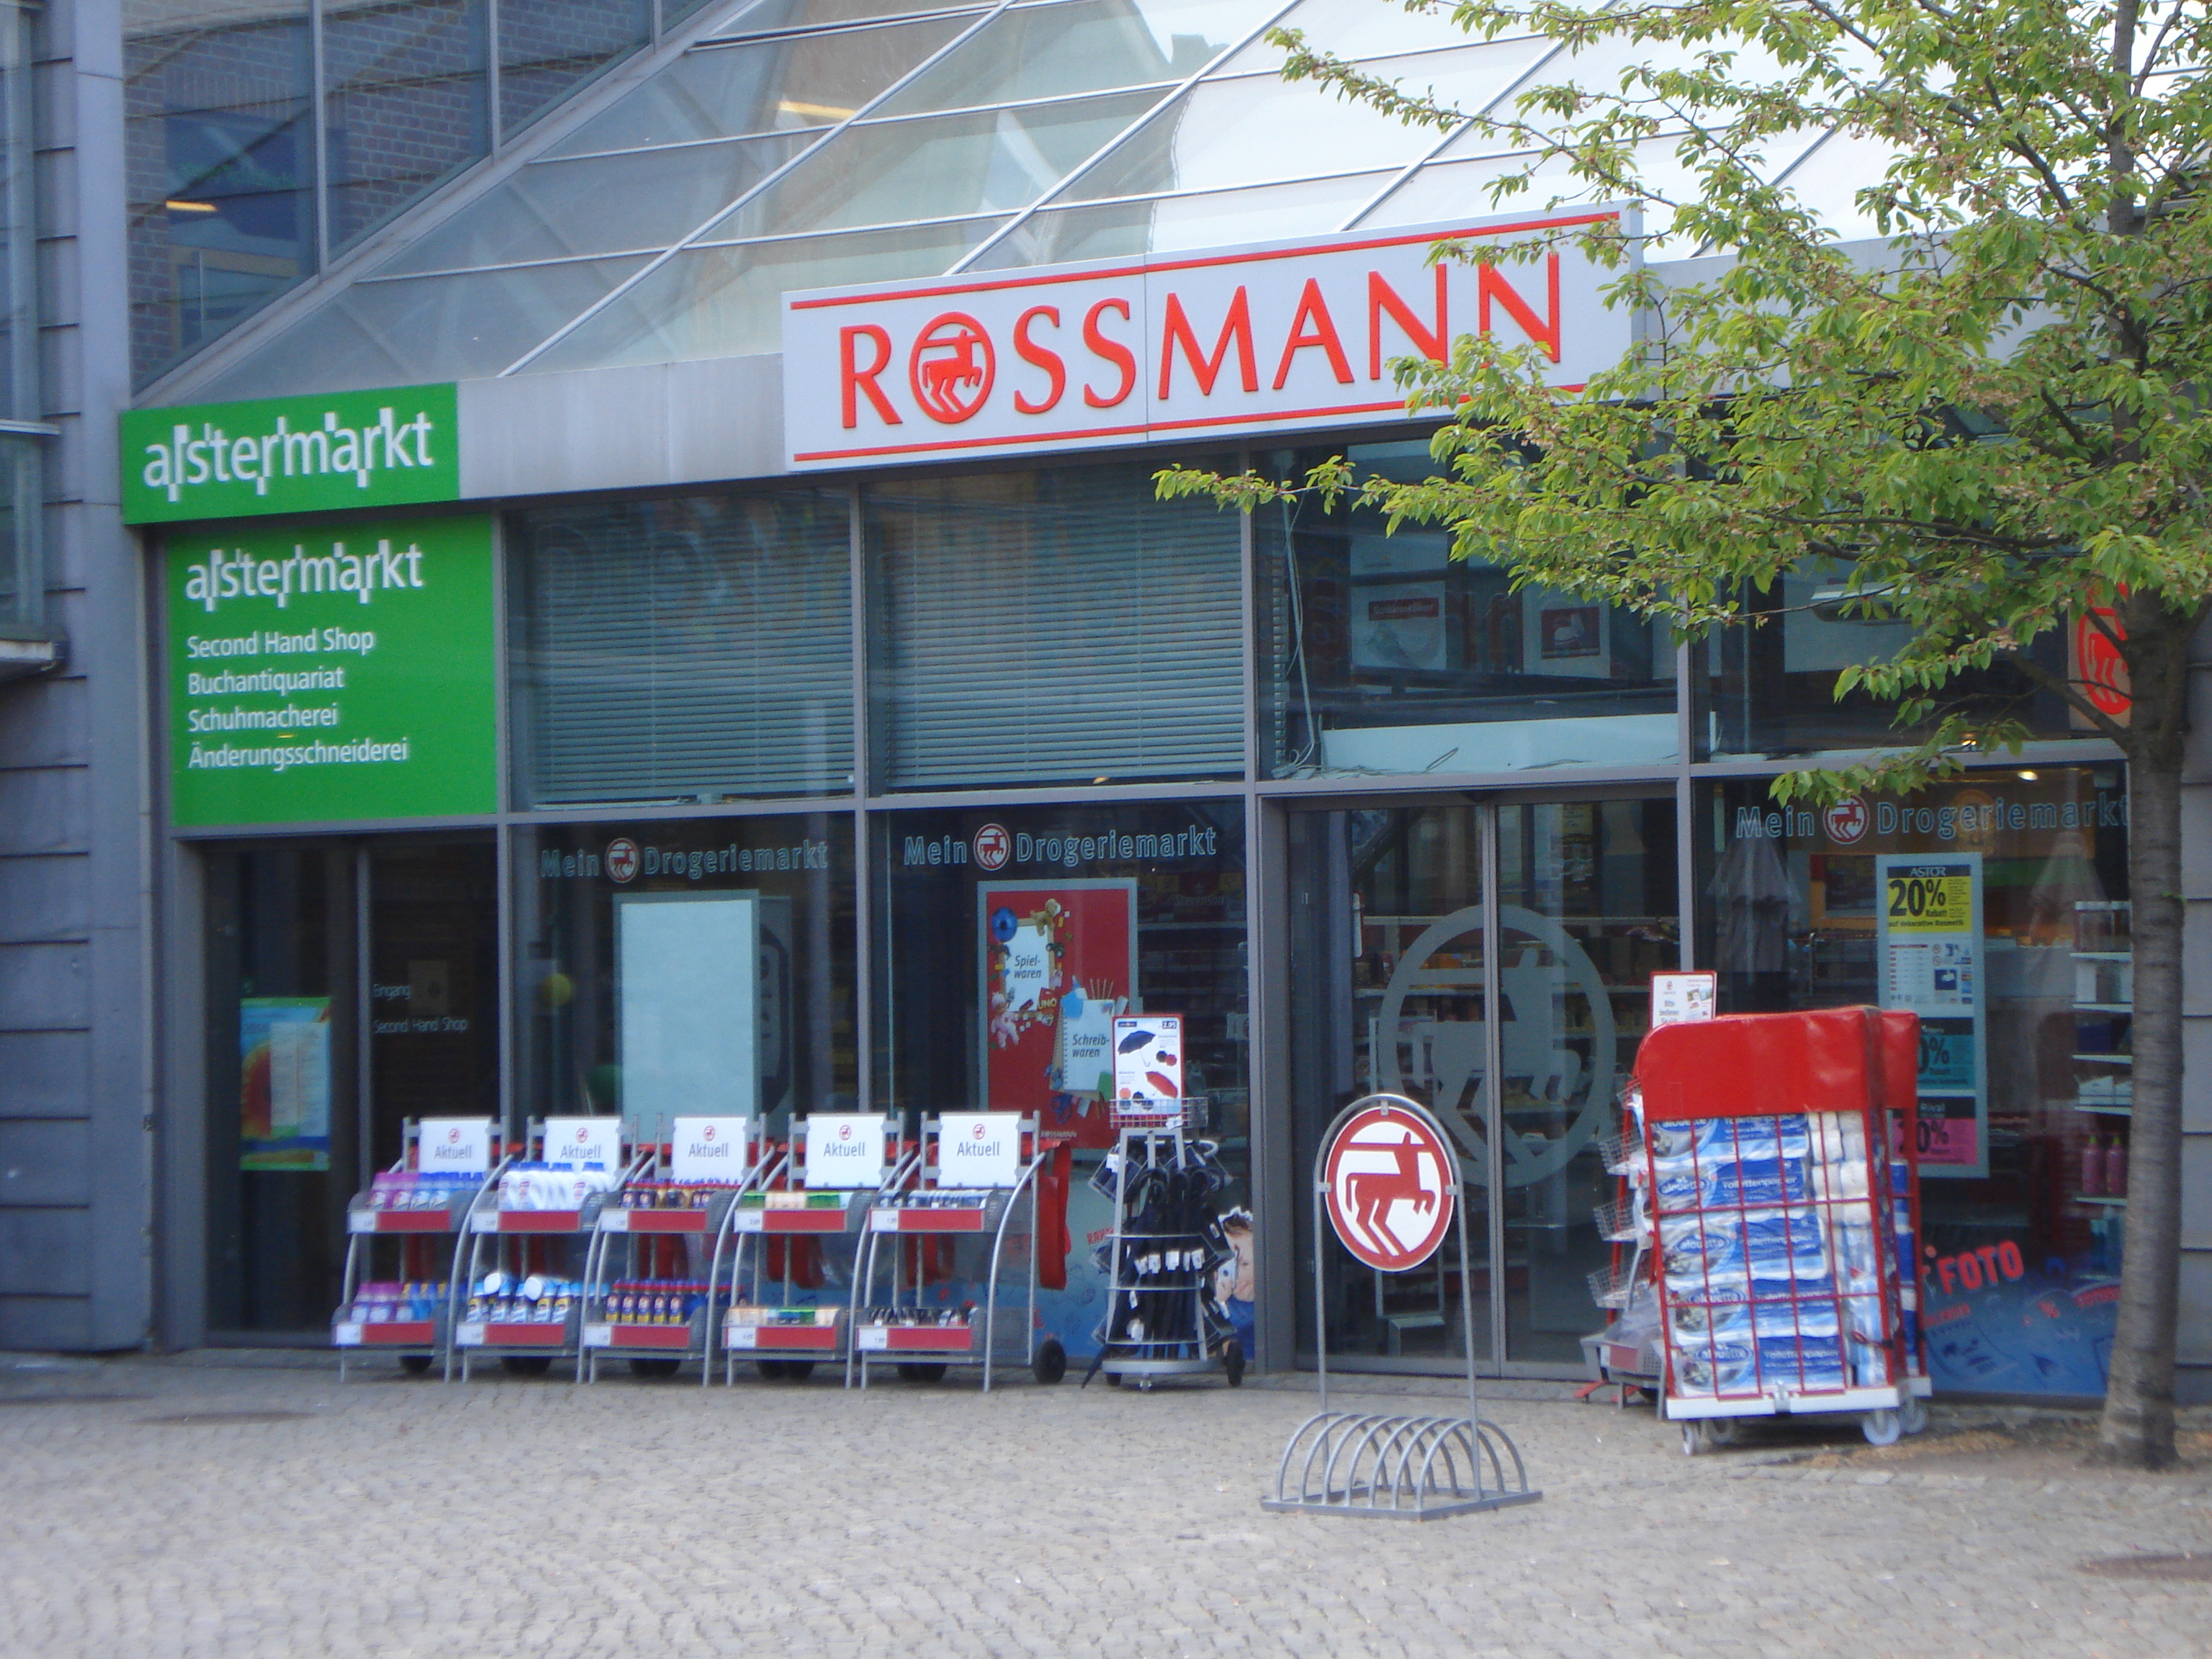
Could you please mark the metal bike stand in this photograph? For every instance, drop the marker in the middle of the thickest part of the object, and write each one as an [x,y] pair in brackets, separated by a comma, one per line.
[502,1234]
[779,1203]
[1147,1351]
[417,1343]
[1380,1465]
[919,1206]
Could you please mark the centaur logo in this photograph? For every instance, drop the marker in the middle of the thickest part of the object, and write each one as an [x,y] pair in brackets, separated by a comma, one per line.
[621,860]
[1242,340]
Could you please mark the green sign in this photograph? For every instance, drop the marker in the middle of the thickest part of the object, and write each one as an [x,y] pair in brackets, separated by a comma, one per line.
[342,673]
[393,448]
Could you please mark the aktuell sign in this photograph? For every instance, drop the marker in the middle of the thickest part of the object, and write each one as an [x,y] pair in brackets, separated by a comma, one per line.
[1250,339]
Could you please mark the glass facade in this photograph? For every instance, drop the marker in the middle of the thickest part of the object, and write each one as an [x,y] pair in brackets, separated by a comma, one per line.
[1067,753]
[1380,653]
[810,143]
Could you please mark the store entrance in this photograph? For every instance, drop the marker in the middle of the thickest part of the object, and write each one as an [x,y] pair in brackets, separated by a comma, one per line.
[350,985]
[1491,960]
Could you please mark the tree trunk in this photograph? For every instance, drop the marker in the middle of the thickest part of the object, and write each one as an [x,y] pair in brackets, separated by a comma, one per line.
[2137,1430]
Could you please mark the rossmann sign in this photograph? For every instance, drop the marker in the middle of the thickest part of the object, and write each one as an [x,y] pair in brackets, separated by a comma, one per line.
[1242,340]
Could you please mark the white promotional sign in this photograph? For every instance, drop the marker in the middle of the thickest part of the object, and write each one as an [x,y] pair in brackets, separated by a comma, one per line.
[1244,340]
[1148,1057]
[453,1145]
[844,1150]
[1682,999]
[576,1142]
[979,1149]
[708,1148]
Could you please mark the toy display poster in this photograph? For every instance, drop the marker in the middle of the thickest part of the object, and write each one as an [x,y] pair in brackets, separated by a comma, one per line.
[285,1085]
[1059,963]
[1928,946]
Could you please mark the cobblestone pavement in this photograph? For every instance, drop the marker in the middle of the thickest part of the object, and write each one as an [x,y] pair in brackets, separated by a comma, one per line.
[163,1508]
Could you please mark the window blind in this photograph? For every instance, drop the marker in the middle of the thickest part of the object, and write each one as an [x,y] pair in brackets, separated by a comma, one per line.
[697,647]
[1055,625]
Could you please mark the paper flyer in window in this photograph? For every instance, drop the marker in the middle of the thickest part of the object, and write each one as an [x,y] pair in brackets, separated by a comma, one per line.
[1928,947]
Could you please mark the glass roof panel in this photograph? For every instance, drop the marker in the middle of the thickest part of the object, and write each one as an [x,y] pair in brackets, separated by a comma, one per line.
[642,199]
[1258,129]
[1829,179]
[1312,207]
[729,302]
[760,16]
[1361,29]
[1057,51]
[934,166]
[1599,67]
[426,328]
[770,86]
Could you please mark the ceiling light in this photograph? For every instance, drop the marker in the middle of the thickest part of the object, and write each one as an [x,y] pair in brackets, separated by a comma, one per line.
[2028,777]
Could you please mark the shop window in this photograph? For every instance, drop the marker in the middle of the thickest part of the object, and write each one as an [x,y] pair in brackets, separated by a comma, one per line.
[1380,653]
[1052,626]
[1768,688]
[693,649]
[1008,941]
[1996,906]
[743,968]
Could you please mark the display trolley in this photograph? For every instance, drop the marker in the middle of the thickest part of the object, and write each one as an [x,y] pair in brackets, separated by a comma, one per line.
[410,1215]
[518,1289]
[670,1215]
[1164,1251]
[819,1185]
[1772,1188]
[975,1183]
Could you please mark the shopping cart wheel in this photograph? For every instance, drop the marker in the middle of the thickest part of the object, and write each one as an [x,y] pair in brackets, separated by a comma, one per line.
[526,1364]
[1693,1441]
[797,1370]
[1913,1415]
[1722,1430]
[921,1370]
[650,1367]
[1882,1428]
[1232,1362]
[1049,1363]
[415,1365]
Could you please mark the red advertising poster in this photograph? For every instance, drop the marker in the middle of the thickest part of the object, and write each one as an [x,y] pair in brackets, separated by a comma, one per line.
[1059,965]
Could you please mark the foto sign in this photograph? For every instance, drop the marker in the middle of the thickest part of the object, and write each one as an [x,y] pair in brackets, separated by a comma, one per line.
[453,1145]
[1246,340]
[708,1148]
[1387,1182]
[576,1142]
[340,672]
[397,448]
[979,1149]
[844,1150]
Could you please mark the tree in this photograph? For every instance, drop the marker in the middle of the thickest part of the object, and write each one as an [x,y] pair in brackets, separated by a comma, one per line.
[1993,428]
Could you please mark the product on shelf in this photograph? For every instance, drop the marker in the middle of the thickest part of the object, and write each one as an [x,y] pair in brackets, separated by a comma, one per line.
[409,1189]
[502,1298]
[673,1194]
[384,1302]
[744,1313]
[793,1198]
[654,1301]
[935,1198]
[930,1318]
[545,1187]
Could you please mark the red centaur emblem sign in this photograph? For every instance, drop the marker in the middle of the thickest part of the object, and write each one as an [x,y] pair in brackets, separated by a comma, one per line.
[952,368]
[1390,1188]
[1847,821]
[994,847]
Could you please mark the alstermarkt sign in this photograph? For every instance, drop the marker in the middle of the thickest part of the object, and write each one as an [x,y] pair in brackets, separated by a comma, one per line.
[397,447]
[334,674]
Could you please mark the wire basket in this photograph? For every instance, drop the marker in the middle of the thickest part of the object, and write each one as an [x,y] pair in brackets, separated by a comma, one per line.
[1620,1221]
[1623,1152]
[1192,1114]
[1609,1286]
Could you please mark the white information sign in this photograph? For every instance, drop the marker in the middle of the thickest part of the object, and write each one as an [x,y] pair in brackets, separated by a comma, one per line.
[1245,339]
[844,1150]
[576,1143]
[1148,1057]
[453,1146]
[979,1149]
[689,974]
[708,1148]
[1684,998]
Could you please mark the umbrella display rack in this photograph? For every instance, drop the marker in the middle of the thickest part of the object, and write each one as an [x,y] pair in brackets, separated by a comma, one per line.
[1160,1257]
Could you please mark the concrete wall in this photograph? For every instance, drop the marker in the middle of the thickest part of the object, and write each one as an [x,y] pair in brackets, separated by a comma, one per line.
[75,1109]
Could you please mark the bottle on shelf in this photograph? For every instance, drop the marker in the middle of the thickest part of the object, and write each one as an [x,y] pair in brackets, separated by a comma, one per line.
[2092,1168]
[2116,1169]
